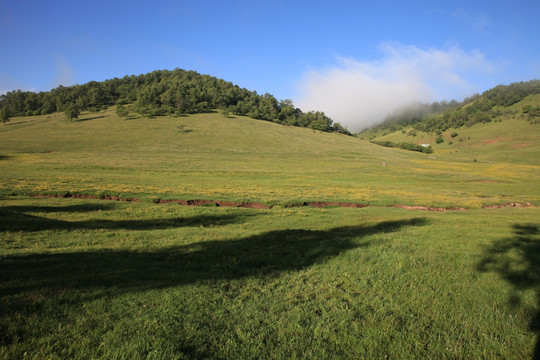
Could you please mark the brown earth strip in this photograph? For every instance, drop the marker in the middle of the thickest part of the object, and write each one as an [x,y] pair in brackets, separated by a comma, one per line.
[243,204]
[256,205]
[499,206]
[494,141]
[322,204]
[425,208]
[519,146]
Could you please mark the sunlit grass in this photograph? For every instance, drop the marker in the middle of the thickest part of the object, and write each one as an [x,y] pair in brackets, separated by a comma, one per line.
[103,279]
[94,279]
[241,159]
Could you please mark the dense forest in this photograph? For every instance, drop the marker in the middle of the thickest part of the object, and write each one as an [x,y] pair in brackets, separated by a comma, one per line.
[438,117]
[164,92]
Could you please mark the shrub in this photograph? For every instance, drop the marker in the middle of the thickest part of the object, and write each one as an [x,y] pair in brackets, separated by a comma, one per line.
[439,140]
[454,134]
[412,133]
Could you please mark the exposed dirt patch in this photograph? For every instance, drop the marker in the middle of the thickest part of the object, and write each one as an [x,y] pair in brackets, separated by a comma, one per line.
[487,181]
[322,204]
[494,141]
[425,208]
[499,206]
[519,146]
[256,205]
[243,204]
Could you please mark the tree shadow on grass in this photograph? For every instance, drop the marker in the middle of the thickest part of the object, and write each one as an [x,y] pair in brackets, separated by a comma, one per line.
[90,118]
[517,260]
[35,285]
[87,207]
[122,271]
[15,218]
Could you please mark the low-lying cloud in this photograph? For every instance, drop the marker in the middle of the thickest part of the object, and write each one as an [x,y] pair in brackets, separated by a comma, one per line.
[360,94]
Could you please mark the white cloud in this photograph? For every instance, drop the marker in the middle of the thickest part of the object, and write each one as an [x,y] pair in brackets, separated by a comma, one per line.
[360,94]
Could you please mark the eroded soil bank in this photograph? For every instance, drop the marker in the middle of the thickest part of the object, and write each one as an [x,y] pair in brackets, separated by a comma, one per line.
[257,205]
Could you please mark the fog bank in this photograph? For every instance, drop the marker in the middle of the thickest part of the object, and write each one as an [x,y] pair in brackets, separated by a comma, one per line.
[360,94]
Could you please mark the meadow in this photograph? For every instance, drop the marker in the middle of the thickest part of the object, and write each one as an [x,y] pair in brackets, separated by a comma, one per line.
[90,278]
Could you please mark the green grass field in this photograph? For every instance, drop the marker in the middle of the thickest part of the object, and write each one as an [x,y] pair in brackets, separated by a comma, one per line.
[93,279]
[218,158]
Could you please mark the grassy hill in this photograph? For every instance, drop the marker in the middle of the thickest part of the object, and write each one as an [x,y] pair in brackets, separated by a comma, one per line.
[209,156]
[87,278]
[511,137]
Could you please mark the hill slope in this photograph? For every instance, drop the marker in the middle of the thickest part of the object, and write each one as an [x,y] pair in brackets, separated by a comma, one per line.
[164,92]
[472,130]
[210,156]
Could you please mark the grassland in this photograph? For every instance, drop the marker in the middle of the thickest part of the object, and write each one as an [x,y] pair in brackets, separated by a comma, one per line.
[511,138]
[82,278]
[211,157]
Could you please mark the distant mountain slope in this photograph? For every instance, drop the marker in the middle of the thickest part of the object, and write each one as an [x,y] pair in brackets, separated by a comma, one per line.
[495,133]
[492,105]
[164,92]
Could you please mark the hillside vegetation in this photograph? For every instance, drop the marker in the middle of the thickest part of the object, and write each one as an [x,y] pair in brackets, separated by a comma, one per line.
[492,105]
[494,133]
[163,92]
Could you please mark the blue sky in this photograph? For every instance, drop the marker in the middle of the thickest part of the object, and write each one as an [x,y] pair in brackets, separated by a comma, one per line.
[325,55]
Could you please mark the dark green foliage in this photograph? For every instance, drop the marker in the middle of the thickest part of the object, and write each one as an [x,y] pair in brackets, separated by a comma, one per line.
[405,146]
[506,95]
[454,134]
[337,127]
[534,112]
[413,114]
[121,110]
[439,140]
[72,112]
[481,108]
[164,92]
[439,117]
[4,115]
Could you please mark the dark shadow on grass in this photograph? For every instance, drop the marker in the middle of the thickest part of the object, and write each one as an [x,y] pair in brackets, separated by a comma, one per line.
[15,218]
[18,122]
[35,285]
[90,118]
[56,209]
[118,272]
[517,260]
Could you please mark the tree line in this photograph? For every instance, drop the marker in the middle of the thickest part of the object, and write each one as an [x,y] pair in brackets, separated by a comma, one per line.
[164,92]
[405,146]
[440,116]
[414,113]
